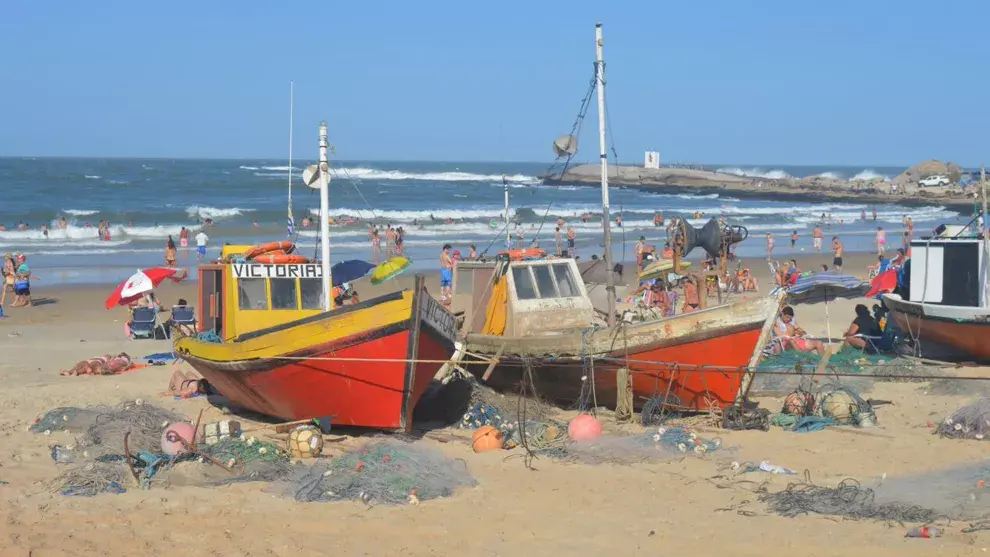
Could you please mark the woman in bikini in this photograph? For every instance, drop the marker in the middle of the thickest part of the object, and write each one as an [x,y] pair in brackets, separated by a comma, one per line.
[170,253]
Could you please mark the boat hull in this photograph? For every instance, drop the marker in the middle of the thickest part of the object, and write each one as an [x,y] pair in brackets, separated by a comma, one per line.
[964,330]
[365,365]
[696,360]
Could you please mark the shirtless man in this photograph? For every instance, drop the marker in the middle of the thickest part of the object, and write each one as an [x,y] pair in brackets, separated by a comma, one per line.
[816,238]
[571,236]
[446,273]
[389,240]
[836,254]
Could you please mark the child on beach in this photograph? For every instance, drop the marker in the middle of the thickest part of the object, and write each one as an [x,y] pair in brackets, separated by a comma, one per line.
[881,240]
[446,274]
[22,283]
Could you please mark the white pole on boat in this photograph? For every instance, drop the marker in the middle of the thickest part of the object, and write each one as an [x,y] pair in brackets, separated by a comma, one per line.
[325,217]
[606,218]
[508,239]
[291,87]
[986,241]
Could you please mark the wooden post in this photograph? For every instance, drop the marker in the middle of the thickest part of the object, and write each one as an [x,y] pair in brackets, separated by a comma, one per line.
[624,395]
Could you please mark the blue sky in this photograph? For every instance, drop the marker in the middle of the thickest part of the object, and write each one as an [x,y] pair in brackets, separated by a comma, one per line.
[868,82]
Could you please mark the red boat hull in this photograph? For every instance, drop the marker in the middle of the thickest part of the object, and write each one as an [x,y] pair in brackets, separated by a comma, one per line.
[709,372]
[967,338]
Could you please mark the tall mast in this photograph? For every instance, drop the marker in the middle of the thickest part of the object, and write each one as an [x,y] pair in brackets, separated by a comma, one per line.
[606,218]
[986,241]
[325,217]
[291,86]
[508,240]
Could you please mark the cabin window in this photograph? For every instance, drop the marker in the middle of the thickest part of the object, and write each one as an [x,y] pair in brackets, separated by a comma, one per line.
[525,289]
[251,294]
[544,281]
[312,293]
[284,293]
[566,286]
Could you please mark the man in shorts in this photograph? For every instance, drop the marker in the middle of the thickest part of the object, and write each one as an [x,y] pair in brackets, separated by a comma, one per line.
[836,254]
[446,274]
[816,238]
[201,240]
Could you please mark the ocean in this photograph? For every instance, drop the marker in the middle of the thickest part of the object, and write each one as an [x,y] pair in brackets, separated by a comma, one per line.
[148,200]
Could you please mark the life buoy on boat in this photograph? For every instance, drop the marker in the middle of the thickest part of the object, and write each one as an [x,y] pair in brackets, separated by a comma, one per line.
[283,246]
[280,258]
[525,253]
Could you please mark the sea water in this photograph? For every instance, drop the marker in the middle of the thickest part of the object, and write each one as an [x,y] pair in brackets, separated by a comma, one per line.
[148,200]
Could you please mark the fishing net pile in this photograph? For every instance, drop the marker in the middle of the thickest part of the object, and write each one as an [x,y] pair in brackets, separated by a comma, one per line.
[849,499]
[827,405]
[785,371]
[969,422]
[99,460]
[663,443]
[385,471]
[958,492]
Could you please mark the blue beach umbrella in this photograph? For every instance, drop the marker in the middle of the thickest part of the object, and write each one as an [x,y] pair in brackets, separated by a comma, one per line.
[350,270]
[826,287]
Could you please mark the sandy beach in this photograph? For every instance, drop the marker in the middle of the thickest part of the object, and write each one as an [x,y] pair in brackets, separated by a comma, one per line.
[678,506]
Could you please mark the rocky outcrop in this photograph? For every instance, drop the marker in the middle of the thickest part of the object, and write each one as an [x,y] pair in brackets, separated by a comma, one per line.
[928,168]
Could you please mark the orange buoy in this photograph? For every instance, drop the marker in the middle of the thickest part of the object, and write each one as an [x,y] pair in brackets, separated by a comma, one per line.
[584,428]
[284,246]
[486,438]
[280,258]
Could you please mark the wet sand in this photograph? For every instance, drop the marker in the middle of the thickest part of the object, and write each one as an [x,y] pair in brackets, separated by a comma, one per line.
[658,508]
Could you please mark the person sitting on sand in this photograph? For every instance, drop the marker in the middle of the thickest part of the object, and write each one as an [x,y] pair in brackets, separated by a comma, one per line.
[793,337]
[863,327]
[104,365]
[188,384]
[668,252]
[748,281]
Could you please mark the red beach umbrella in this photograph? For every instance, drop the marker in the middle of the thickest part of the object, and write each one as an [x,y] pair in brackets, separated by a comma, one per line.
[141,282]
[882,283]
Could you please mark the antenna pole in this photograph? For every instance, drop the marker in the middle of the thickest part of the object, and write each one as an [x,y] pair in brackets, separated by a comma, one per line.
[508,240]
[291,95]
[986,241]
[325,217]
[606,218]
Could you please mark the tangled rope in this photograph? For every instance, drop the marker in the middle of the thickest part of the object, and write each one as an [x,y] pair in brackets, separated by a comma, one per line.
[849,499]
[737,418]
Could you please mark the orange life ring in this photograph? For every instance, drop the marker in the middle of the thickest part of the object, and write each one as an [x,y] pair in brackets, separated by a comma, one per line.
[520,254]
[284,246]
[280,258]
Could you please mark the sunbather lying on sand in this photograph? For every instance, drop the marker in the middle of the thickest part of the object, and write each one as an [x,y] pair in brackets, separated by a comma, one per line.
[104,365]
[187,384]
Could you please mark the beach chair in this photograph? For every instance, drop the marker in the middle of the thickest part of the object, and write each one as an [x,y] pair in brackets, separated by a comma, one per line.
[145,324]
[183,321]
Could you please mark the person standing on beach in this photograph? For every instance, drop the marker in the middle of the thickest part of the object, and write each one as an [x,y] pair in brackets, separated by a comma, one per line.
[22,283]
[640,248]
[557,239]
[201,240]
[9,276]
[376,242]
[389,240]
[769,246]
[170,253]
[908,232]
[874,214]
[881,240]
[816,238]
[446,273]
[571,237]
[183,242]
[836,254]
[794,239]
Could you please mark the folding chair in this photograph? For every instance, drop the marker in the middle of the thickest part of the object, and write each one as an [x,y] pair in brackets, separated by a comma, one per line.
[183,321]
[145,324]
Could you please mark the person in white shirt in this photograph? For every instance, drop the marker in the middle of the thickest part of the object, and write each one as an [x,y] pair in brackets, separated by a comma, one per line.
[201,240]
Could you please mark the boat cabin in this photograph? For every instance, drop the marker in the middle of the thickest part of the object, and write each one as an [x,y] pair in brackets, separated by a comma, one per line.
[947,271]
[238,298]
[521,298]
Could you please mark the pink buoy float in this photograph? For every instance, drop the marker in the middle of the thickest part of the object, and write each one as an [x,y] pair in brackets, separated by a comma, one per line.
[584,428]
[171,444]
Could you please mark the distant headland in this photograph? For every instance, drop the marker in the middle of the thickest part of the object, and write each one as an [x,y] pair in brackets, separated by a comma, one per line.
[905,189]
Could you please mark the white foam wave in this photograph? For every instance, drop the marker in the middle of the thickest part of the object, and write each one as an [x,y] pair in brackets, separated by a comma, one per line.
[93,177]
[282,168]
[271,174]
[215,213]
[84,251]
[375,174]
[60,242]
[756,173]
[829,175]
[456,214]
[87,235]
[117,182]
[248,167]
[79,212]
[870,174]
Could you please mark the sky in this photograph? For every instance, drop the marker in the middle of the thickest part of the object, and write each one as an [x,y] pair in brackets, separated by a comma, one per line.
[768,82]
